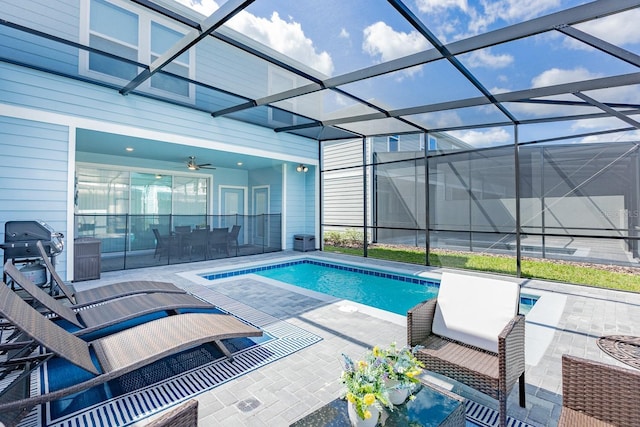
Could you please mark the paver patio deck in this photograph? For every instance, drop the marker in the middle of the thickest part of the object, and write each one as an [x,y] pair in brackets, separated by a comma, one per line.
[284,391]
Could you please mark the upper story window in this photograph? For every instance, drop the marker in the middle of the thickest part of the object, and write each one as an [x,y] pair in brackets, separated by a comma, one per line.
[393,144]
[279,82]
[121,39]
[162,38]
[138,36]
[433,144]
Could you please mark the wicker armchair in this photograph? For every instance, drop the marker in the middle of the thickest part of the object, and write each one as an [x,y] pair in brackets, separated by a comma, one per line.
[184,415]
[492,373]
[598,394]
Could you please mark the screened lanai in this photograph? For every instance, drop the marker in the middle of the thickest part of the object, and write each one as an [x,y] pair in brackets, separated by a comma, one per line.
[490,127]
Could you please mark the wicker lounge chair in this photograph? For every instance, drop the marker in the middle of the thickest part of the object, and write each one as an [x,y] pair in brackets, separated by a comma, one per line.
[598,394]
[106,292]
[109,313]
[185,415]
[473,334]
[114,355]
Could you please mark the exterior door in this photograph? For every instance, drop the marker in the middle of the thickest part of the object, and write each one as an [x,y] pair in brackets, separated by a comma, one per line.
[260,204]
[232,201]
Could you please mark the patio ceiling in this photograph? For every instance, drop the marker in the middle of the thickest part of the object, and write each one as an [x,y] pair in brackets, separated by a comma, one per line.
[562,71]
[174,156]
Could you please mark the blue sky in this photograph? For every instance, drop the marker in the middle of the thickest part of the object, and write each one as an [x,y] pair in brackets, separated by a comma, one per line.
[338,36]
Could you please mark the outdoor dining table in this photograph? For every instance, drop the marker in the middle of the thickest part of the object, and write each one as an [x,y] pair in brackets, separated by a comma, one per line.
[185,241]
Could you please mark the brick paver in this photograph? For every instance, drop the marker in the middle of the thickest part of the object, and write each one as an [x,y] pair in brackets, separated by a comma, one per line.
[284,391]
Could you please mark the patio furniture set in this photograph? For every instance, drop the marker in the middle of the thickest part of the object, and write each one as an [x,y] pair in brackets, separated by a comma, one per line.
[26,328]
[471,333]
[199,242]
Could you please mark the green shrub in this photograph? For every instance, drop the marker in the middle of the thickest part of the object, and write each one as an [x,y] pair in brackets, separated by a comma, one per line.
[350,238]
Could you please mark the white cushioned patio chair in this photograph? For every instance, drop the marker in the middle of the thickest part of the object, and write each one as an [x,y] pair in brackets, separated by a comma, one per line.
[473,334]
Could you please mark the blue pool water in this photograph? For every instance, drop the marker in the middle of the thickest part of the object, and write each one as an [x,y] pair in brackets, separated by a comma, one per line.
[385,290]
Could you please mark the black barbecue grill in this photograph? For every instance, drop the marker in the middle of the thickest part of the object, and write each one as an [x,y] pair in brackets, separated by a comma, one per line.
[20,238]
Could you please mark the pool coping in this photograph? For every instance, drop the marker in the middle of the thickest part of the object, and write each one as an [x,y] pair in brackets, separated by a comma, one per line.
[541,320]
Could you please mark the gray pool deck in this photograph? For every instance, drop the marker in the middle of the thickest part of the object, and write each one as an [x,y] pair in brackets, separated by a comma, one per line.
[566,319]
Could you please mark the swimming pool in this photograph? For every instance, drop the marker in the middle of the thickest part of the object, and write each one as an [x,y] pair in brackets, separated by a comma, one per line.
[386,290]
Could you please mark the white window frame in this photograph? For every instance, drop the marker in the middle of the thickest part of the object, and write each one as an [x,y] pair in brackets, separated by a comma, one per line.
[274,73]
[143,48]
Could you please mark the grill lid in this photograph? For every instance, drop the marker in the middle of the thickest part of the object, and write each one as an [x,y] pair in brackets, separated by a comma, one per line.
[21,237]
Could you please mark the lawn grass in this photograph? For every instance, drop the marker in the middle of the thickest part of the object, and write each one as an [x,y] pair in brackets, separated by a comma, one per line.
[530,268]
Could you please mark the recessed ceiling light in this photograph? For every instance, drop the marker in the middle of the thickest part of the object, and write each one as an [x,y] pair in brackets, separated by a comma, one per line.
[239,163]
[129,149]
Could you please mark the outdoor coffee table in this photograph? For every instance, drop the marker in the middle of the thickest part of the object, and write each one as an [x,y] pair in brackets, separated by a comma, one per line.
[433,406]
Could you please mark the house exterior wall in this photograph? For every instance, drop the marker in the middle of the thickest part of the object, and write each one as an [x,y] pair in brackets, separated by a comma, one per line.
[33,178]
[40,112]
[342,185]
[300,195]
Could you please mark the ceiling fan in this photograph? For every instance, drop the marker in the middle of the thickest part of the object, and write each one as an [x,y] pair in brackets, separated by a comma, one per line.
[192,165]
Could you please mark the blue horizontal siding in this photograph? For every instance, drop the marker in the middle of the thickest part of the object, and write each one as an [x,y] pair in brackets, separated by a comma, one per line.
[58,17]
[34,175]
[38,90]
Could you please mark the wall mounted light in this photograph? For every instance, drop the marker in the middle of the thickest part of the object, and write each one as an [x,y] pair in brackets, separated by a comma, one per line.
[302,168]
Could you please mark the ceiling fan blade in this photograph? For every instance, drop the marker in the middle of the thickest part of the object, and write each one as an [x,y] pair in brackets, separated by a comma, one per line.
[203,164]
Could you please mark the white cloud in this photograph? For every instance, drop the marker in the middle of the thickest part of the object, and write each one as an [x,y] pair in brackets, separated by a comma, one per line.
[556,76]
[383,41]
[619,29]
[516,10]
[600,124]
[484,58]
[442,119]
[508,11]
[613,137]
[286,37]
[344,34]
[205,7]
[552,77]
[481,16]
[428,6]
[484,138]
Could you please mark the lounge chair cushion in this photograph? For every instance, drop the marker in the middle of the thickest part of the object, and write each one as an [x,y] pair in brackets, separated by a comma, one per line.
[474,310]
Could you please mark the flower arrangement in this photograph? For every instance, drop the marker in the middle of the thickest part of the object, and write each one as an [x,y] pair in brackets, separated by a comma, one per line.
[369,382]
[364,386]
[399,364]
